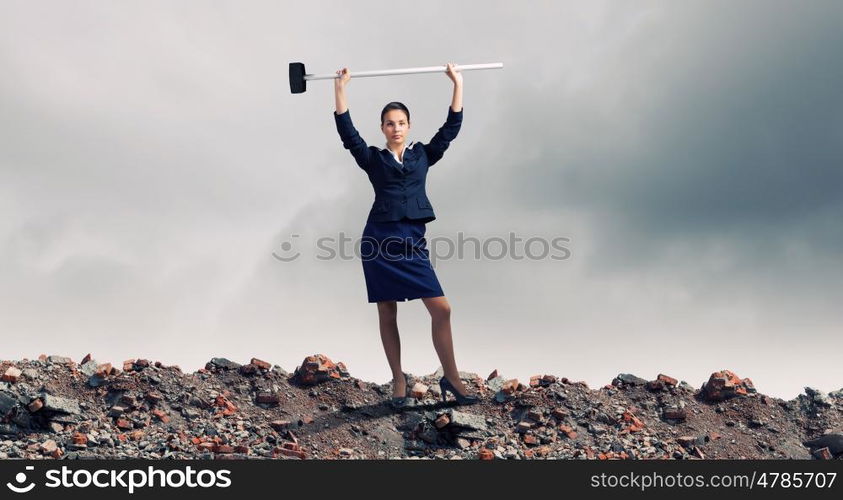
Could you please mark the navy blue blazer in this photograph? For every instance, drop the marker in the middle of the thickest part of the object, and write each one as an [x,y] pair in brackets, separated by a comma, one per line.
[399,189]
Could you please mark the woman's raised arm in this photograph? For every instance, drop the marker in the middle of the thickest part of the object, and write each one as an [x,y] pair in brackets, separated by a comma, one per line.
[351,139]
[456,77]
[339,90]
[447,132]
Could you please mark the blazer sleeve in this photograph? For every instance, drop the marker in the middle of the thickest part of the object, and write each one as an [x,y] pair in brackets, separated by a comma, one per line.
[352,141]
[447,133]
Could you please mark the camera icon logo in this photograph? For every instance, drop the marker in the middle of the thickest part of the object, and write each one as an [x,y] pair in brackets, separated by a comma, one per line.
[286,247]
[20,478]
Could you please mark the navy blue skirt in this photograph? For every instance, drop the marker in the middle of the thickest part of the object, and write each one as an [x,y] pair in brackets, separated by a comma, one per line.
[396,262]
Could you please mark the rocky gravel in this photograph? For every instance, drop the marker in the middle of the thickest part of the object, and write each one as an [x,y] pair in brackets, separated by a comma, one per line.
[56,408]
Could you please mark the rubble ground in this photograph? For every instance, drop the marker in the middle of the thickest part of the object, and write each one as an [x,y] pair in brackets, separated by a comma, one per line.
[56,408]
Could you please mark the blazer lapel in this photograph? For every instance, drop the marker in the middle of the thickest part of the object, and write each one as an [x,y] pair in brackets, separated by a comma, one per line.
[408,152]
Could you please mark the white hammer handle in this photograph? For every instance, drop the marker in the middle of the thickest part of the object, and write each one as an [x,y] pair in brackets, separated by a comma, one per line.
[408,71]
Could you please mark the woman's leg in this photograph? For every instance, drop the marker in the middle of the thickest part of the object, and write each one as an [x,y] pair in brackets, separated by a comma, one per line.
[388,322]
[440,316]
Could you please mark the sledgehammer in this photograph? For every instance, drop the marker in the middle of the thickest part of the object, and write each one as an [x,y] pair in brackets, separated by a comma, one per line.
[298,78]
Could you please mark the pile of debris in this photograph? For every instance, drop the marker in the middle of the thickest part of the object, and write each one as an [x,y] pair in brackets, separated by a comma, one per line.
[53,407]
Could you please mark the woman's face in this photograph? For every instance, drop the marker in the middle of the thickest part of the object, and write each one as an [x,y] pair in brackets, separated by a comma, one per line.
[395,127]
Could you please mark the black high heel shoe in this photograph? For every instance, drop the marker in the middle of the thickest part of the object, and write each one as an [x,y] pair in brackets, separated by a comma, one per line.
[446,386]
[398,402]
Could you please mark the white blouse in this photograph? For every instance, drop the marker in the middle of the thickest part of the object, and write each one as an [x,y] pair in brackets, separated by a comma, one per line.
[406,147]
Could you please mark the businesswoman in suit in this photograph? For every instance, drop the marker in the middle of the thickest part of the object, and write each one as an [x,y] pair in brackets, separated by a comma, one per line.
[396,263]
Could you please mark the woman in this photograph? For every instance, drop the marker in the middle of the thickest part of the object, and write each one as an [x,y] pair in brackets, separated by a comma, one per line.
[396,263]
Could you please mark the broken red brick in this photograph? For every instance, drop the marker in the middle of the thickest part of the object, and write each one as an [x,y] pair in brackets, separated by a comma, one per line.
[559,413]
[35,405]
[523,426]
[122,423]
[279,425]
[725,384]
[666,379]
[419,390]
[267,398]
[635,423]
[686,441]
[206,446]
[248,369]
[510,386]
[228,407]
[442,421]
[263,365]
[293,453]
[673,413]
[161,415]
[12,374]
[570,432]
[49,447]
[154,397]
[316,369]
[485,454]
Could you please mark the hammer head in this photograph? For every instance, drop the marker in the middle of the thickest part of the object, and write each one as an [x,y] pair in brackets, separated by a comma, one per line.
[297,82]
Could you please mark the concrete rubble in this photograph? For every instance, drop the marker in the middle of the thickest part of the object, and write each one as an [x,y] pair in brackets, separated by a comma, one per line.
[56,408]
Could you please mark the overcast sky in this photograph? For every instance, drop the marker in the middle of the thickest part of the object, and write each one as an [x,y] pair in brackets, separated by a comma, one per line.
[152,160]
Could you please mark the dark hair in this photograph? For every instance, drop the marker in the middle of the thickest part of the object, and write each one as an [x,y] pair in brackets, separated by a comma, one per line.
[395,105]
